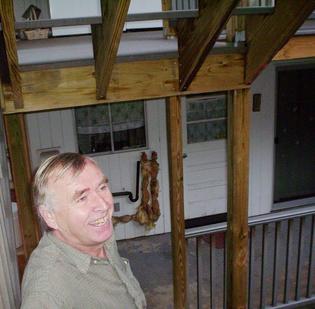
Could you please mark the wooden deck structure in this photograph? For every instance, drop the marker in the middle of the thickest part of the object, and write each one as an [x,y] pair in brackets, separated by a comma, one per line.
[197,69]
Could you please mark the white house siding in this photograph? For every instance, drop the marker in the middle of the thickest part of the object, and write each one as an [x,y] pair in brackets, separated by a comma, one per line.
[262,144]
[205,167]
[55,130]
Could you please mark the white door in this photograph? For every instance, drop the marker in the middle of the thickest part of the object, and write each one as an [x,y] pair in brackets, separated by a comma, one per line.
[205,164]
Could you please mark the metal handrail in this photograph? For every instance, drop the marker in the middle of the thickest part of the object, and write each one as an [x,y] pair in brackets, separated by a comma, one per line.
[256,220]
[129,193]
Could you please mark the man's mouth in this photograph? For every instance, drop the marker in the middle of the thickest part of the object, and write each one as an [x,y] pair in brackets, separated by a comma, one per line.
[100,221]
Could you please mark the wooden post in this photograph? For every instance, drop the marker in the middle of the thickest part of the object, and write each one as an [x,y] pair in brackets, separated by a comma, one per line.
[236,24]
[7,22]
[168,30]
[106,38]
[175,149]
[266,35]
[197,36]
[21,173]
[237,229]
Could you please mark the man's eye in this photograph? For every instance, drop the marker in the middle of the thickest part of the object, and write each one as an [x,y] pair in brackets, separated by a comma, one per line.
[82,198]
[103,187]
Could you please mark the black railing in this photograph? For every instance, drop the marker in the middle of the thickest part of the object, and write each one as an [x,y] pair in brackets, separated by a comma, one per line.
[129,193]
[281,271]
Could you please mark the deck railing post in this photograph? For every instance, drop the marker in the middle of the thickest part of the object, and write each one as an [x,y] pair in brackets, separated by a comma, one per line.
[175,148]
[237,227]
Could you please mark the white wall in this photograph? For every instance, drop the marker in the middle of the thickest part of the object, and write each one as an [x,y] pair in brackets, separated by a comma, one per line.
[55,130]
[262,144]
[83,8]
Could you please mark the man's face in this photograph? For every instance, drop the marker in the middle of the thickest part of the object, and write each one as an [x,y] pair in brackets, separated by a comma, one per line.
[82,208]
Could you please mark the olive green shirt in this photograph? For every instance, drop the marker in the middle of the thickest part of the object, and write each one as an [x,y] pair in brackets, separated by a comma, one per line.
[59,276]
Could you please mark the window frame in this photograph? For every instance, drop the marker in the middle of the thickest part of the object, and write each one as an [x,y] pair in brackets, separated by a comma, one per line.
[188,100]
[101,153]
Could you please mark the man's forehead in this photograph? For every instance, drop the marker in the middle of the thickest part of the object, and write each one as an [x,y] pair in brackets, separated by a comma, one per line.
[71,176]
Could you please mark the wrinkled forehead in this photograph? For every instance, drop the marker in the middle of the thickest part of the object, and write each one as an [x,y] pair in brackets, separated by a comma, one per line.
[71,173]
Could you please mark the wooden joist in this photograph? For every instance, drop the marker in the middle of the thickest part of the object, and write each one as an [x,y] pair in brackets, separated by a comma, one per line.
[106,38]
[266,35]
[237,227]
[70,87]
[300,47]
[7,22]
[175,157]
[21,172]
[197,36]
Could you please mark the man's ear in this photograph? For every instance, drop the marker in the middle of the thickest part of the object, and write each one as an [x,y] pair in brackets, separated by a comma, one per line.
[48,216]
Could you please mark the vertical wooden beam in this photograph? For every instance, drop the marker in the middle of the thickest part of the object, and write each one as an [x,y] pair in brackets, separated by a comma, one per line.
[22,177]
[168,30]
[175,157]
[196,37]
[7,22]
[237,230]
[236,24]
[106,38]
[266,35]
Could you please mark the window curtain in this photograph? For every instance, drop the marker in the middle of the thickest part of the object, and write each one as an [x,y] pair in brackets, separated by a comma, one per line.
[9,279]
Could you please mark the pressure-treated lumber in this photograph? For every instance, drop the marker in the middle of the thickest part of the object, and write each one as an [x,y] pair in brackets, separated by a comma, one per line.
[237,227]
[266,35]
[175,157]
[106,38]
[168,30]
[197,36]
[297,48]
[21,172]
[236,24]
[70,87]
[7,22]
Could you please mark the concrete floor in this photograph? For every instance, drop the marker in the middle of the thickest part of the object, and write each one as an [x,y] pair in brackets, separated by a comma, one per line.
[151,262]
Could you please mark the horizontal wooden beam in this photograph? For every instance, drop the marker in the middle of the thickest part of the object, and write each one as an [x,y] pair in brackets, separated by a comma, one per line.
[297,48]
[196,37]
[71,87]
[7,21]
[106,38]
[46,89]
[266,35]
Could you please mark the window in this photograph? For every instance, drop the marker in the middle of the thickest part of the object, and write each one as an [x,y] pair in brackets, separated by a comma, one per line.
[111,127]
[206,118]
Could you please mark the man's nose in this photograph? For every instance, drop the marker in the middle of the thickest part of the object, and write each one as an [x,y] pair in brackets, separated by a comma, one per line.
[101,201]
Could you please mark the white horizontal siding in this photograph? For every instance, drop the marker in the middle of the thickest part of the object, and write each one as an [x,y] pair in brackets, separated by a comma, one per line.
[56,130]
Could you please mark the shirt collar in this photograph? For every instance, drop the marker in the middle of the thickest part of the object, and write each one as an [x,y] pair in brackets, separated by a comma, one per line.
[80,259]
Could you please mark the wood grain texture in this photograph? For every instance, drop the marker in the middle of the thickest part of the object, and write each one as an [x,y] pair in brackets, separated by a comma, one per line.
[7,22]
[175,159]
[236,23]
[266,35]
[196,37]
[22,178]
[297,48]
[106,38]
[70,87]
[237,229]
[168,30]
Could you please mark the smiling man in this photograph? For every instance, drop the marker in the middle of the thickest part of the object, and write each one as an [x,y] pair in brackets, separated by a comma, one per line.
[76,264]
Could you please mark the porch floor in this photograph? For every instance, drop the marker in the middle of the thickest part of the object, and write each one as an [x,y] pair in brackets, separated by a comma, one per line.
[151,262]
